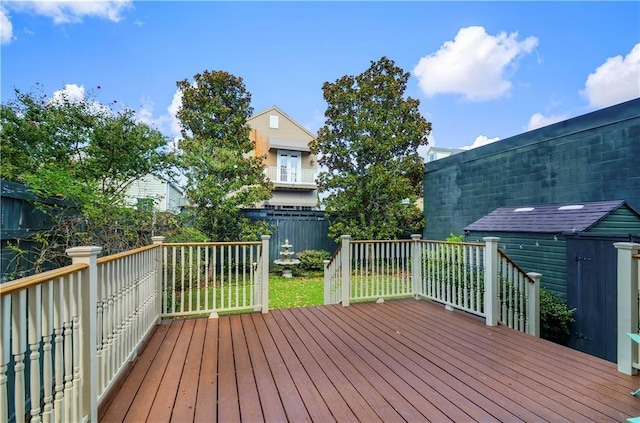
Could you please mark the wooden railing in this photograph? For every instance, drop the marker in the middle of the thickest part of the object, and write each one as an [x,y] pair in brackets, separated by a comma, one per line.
[69,334]
[127,308]
[380,269]
[453,274]
[333,277]
[518,296]
[48,351]
[207,278]
[475,278]
[628,306]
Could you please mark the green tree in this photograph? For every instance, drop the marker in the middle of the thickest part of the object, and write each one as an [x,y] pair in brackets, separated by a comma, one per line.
[87,153]
[76,149]
[223,173]
[369,144]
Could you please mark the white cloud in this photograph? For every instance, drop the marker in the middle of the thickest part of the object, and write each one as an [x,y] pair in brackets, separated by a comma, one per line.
[480,141]
[6,28]
[72,92]
[473,64]
[615,81]
[167,123]
[176,103]
[538,120]
[73,11]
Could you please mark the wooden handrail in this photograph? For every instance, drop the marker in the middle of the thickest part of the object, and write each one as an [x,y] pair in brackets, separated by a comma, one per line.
[470,244]
[335,254]
[112,257]
[636,256]
[506,257]
[378,241]
[26,282]
[209,244]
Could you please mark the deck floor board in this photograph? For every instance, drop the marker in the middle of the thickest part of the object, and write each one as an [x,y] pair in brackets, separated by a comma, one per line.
[402,360]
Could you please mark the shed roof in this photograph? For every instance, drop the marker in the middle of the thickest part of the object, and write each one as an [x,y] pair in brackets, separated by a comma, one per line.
[549,218]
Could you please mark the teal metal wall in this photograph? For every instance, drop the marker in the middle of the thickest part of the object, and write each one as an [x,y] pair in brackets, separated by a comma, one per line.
[593,157]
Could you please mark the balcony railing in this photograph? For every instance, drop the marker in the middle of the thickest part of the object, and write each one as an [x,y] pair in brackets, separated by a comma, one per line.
[68,334]
[476,278]
[292,177]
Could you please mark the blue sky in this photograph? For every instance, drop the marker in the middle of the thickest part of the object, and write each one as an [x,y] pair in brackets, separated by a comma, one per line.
[481,70]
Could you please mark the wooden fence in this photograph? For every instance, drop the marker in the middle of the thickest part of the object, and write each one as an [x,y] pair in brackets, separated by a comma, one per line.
[22,216]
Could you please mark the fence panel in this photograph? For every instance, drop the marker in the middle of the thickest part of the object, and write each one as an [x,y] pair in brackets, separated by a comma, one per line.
[304,229]
[40,357]
[381,269]
[126,308]
[22,216]
[453,274]
[333,279]
[203,278]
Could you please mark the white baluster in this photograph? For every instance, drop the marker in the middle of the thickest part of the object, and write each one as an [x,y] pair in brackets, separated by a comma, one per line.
[19,347]
[5,354]
[68,351]
[47,358]
[35,335]
[75,328]
[58,351]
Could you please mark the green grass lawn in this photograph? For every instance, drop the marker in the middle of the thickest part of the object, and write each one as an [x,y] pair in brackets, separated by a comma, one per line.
[299,291]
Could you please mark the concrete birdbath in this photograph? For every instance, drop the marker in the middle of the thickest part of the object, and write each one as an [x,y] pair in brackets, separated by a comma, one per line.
[286,261]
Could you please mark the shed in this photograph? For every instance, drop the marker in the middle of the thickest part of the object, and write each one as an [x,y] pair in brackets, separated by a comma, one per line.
[572,246]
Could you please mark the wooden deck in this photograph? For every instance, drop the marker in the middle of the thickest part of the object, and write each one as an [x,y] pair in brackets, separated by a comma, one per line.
[402,360]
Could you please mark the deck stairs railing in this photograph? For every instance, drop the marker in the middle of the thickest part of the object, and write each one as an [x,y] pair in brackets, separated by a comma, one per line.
[628,299]
[69,334]
[475,278]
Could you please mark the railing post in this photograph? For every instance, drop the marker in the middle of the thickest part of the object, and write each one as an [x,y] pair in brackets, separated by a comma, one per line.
[491,280]
[416,265]
[327,282]
[265,273]
[533,304]
[345,259]
[88,330]
[627,306]
[159,266]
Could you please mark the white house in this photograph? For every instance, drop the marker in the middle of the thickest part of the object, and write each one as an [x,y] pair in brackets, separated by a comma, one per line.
[166,196]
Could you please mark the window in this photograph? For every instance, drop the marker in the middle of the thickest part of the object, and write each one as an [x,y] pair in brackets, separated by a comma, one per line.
[273,121]
[289,166]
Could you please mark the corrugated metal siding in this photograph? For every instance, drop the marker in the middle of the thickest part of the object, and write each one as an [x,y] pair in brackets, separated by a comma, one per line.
[542,253]
[623,221]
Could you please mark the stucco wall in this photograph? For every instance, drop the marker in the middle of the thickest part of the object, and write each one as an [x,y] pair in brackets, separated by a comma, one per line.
[593,157]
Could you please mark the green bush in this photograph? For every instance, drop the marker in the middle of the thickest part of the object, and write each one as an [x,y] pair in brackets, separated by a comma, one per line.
[455,238]
[312,259]
[555,318]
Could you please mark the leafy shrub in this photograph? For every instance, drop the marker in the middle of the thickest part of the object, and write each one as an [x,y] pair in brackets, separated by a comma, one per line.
[312,259]
[555,318]
[455,238]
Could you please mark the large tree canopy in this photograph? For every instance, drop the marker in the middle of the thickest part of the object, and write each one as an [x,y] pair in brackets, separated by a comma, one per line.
[70,148]
[369,145]
[84,152]
[223,173]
